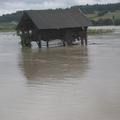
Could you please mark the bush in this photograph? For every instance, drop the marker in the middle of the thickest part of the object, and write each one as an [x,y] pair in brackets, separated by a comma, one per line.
[117,22]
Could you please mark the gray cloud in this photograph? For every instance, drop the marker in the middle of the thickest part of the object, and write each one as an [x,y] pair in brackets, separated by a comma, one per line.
[8,6]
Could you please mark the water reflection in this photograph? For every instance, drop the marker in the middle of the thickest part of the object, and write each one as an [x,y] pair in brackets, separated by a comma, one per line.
[54,64]
[60,83]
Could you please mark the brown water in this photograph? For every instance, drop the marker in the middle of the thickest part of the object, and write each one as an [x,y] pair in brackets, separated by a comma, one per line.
[71,83]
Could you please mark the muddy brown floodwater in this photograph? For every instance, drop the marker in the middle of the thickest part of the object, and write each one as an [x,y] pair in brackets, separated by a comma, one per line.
[71,83]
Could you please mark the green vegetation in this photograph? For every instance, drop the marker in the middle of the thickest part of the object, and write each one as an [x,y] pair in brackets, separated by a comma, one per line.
[99,31]
[6,27]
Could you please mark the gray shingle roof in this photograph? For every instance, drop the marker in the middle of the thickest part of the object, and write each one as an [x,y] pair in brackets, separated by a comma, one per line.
[56,19]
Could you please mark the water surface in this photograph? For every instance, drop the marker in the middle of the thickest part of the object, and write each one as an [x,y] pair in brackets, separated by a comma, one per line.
[71,83]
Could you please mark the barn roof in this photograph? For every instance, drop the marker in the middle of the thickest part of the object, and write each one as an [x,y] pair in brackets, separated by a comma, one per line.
[56,19]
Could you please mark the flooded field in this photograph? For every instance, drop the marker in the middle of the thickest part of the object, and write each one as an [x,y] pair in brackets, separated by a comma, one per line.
[60,83]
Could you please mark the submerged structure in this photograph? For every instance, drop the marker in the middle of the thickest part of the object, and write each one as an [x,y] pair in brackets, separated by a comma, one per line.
[47,25]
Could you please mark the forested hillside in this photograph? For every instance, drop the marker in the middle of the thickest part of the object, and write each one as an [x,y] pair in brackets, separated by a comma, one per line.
[14,17]
[107,14]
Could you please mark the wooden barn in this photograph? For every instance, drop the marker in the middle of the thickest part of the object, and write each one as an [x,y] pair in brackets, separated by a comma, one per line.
[46,25]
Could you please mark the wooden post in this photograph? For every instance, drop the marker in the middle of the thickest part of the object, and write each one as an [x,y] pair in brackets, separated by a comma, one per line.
[85,40]
[63,42]
[82,40]
[39,44]
[47,43]
[85,29]
[82,35]
[39,41]
[68,38]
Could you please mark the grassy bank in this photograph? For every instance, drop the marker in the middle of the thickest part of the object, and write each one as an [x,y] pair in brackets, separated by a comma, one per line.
[108,15]
[102,18]
[99,31]
[7,27]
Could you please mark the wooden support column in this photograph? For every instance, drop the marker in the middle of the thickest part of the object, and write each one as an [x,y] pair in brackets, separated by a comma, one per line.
[86,40]
[85,29]
[82,40]
[68,38]
[39,44]
[63,42]
[82,35]
[39,41]
[47,43]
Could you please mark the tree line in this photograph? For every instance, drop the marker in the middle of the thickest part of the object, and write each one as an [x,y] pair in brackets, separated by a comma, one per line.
[88,9]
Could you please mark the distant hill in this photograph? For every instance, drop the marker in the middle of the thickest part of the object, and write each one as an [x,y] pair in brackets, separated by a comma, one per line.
[13,17]
[104,14]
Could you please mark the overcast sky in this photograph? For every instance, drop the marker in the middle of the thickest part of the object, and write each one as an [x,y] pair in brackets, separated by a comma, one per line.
[8,6]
